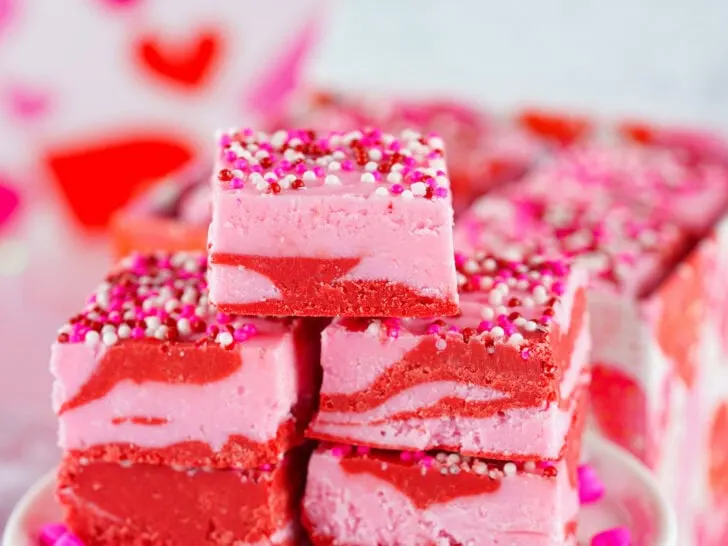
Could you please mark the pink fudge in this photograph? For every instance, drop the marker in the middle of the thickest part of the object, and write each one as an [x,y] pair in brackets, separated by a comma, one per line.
[502,380]
[356,497]
[150,372]
[341,224]
[655,356]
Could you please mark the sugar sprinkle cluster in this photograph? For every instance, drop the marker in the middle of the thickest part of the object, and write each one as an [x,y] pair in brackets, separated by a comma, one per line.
[450,464]
[646,173]
[607,240]
[160,296]
[409,165]
[515,298]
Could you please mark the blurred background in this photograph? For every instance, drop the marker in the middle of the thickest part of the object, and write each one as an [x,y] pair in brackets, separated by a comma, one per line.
[100,98]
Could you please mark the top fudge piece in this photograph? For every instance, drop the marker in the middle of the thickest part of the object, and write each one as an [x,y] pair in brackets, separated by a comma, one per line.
[501,380]
[341,224]
[149,371]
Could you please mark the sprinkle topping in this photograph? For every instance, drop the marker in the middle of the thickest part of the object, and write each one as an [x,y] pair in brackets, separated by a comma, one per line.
[160,296]
[503,302]
[297,160]
[608,239]
[447,463]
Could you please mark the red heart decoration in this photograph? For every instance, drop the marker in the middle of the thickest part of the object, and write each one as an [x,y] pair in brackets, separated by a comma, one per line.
[186,64]
[100,177]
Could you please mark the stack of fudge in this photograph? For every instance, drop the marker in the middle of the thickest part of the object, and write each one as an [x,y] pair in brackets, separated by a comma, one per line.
[646,223]
[451,405]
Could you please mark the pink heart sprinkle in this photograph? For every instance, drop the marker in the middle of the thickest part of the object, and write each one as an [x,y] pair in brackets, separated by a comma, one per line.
[619,536]
[591,488]
[9,202]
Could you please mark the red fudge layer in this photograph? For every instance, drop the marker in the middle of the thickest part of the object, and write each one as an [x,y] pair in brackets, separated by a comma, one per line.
[150,372]
[359,497]
[313,287]
[501,380]
[112,504]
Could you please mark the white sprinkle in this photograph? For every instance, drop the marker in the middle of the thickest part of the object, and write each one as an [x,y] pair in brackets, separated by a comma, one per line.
[183,326]
[109,338]
[419,188]
[375,154]
[453,458]
[308,176]
[480,468]
[352,136]
[189,295]
[407,195]
[441,344]
[169,305]
[486,282]
[470,266]
[161,332]
[278,139]
[436,143]
[520,321]
[497,331]
[397,167]
[334,166]
[489,264]
[124,331]
[527,302]
[487,313]
[509,469]
[368,178]
[92,337]
[270,177]
[495,297]
[338,154]
[332,180]
[370,167]
[529,466]
[381,192]
[108,328]
[394,178]
[530,326]
[152,322]
[224,338]
[515,339]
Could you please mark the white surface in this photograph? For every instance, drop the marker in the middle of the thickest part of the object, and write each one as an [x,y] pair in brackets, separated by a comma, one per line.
[626,479]
[665,59]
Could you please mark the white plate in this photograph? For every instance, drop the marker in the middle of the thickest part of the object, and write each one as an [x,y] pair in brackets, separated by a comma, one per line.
[632,499]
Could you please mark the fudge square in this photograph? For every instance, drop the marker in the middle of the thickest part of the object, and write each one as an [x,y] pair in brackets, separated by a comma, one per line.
[150,372]
[337,224]
[173,215]
[502,379]
[358,497]
[107,503]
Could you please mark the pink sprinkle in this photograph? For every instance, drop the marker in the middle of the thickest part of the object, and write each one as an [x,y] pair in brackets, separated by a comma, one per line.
[618,536]
[241,164]
[51,532]
[591,488]
[558,288]
[405,456]
[441,191]
[137,333]
[485,326]
[225,140]
[337,451]
[347,165]
[230,156]
[68,540]
[460,259]
[396,189]
[428,461]
[319,171]
[433,329]
[362,450]
[223,318]
[266,467]
[236,183]
[240,335]
[525,353]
